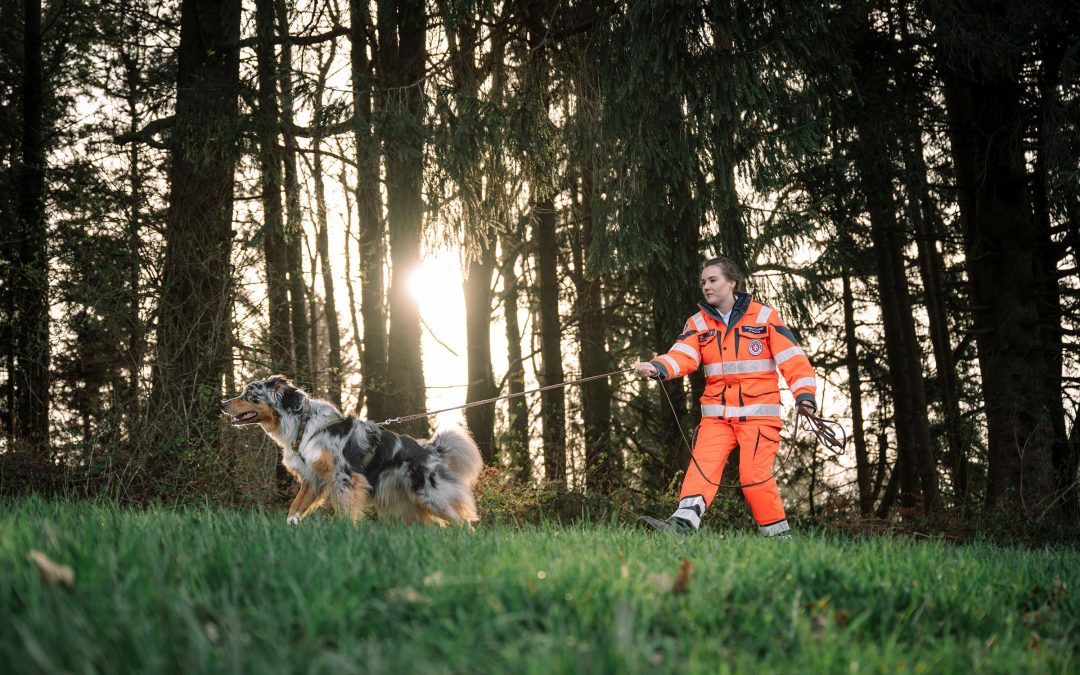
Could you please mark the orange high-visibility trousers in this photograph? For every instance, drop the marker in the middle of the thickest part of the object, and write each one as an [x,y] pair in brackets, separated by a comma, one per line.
[758,444]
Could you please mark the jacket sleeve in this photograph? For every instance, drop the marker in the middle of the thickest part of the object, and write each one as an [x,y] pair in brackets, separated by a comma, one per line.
[683,358]
[792,362]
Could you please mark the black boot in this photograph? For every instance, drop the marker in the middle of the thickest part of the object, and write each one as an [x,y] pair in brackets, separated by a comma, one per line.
[673,525]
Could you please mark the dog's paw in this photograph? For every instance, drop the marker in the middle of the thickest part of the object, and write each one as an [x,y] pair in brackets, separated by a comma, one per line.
[294,519]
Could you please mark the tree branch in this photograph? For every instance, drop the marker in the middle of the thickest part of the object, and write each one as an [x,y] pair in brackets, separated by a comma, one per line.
[147,133]
[301,40]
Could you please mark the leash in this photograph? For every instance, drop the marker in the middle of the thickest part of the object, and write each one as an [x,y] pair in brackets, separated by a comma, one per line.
[472,404]
[817,425]
[822,428]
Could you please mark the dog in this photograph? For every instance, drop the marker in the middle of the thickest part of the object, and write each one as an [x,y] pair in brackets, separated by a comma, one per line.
[349,463]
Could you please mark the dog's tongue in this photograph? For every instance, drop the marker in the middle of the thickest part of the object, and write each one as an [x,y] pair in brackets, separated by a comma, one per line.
[243,417]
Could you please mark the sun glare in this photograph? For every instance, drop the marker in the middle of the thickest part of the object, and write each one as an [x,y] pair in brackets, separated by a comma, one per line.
[436,285]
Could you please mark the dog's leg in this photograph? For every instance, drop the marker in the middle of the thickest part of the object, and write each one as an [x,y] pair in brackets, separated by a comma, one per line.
[358,496]
[295,507]
[307,501]
[316,494]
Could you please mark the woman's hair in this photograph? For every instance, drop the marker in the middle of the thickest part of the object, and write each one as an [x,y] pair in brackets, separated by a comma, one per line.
[728,267]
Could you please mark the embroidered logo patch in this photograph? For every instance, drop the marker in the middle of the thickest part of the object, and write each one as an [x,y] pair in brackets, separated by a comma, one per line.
[756,347]
[703,338]
[756,330]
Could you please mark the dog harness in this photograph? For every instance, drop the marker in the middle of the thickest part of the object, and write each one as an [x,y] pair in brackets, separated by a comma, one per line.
[369,454]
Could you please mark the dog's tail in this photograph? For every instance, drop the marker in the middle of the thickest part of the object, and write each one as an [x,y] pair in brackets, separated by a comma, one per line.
[459,450]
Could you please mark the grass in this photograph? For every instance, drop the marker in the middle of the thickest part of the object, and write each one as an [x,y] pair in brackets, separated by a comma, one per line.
[212,591]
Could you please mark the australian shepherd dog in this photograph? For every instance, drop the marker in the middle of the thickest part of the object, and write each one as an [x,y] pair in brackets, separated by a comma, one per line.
[349,463]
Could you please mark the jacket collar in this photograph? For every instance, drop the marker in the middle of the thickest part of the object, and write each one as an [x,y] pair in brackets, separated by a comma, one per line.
[742,302]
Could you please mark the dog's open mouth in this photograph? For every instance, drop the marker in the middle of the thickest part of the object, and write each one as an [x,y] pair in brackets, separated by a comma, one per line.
[243,418]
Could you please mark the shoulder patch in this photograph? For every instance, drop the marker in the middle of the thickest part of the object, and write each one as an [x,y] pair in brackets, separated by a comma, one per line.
[754,330]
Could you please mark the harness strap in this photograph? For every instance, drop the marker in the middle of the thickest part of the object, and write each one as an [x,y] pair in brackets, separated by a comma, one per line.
[304,417]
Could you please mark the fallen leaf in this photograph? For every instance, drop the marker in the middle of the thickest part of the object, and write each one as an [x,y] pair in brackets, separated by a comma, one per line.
[682,579]
[1033,642]
[51,572]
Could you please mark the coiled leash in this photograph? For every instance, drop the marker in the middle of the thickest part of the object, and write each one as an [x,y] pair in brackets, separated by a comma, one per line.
[823,429]
[819,426]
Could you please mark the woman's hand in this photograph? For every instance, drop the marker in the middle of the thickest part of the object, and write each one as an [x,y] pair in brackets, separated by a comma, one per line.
[645,369]
[807,407]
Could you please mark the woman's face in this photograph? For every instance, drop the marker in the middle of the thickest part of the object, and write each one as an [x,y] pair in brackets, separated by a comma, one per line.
[716,287]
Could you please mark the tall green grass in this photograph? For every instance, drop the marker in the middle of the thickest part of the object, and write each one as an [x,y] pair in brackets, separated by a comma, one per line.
[210,591]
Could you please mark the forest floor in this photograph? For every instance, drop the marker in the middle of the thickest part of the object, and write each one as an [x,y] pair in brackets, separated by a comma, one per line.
[206,590]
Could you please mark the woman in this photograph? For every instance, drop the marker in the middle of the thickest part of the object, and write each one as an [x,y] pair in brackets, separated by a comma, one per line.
[741,343]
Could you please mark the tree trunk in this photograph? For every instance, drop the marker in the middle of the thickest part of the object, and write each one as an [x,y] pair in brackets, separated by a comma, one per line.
[552,402]
[516,439]
[343,181]
[986,118]
[1065,455]
[136,334]
[461,33]
[851,361]
[31,263]
[193,325]
[279,337]
[304,370]
[603,462]
[931,269]
[335,375]
[477,286]
[402,59]
[915,456]
[922,212]
[372,233]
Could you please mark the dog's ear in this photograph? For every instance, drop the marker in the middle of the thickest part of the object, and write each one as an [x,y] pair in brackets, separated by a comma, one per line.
[276,382]
[292,398]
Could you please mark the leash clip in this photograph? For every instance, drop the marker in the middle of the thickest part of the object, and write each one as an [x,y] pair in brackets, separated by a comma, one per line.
[392,420]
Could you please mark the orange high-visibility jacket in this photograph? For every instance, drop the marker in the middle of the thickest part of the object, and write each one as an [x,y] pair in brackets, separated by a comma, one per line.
[740,361]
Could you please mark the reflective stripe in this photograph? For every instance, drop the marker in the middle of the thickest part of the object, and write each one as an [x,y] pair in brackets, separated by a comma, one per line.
[736,367]
[763,314]
[775,528]
[788,353]
[689,516]
[691,509]
[693,501]
[684,348]
[755,410]
[804,382]
[753,366]
[699,321]
[670,362]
